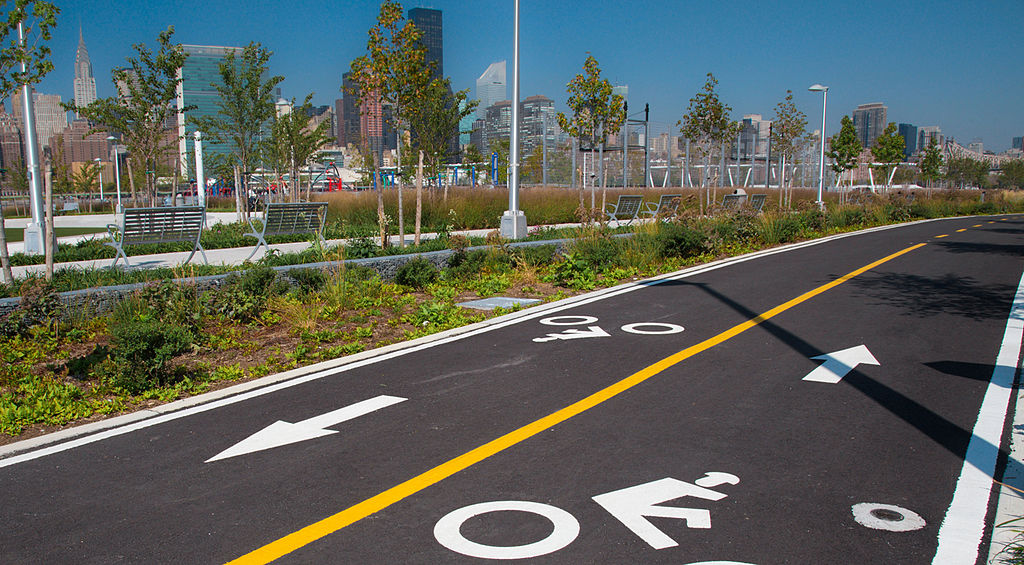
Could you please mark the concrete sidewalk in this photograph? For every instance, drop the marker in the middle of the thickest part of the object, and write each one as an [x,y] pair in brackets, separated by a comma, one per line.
[227,256]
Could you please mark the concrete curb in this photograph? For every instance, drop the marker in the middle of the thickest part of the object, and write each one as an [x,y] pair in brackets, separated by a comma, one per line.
[407,346]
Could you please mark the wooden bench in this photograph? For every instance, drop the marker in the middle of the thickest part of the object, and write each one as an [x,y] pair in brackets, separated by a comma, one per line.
[140,226]
[666,208]
[285,218]
[627,206]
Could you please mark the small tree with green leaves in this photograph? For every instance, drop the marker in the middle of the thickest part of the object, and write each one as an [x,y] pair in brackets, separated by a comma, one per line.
[844,149]
[888,150]
[596,112]
[931,163]
[788,128]
[36,19]
[86,180]
[434,118]
[245,106]
[1012,175]
[293,142]
[393,72]
[965,171]
[147,88]
[706,124]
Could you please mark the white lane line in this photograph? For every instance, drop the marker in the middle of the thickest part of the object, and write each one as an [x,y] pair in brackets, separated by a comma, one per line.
[964,525]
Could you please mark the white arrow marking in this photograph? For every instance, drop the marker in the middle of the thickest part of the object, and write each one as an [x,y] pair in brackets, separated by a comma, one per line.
[282,433]
[633,505]
[591,331]
[837,365]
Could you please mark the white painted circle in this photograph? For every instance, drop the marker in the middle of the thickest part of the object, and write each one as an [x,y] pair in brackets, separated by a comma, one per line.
[865,514]
[568,320]
[447,533]
[665,329]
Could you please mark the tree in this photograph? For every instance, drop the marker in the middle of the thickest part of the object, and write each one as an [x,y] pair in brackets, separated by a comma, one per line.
[86,179]
[293,142]
[706,124]
[596,112]
[1012,175]
[435,116]
[963,172]
[393,72]
[245,106]
[844,149]
[889,149]
[36,19]
[788,128]
[147,89]
[472,155]
[931,163]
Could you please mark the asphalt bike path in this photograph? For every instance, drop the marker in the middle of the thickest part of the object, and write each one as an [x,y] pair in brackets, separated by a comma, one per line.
[667,422]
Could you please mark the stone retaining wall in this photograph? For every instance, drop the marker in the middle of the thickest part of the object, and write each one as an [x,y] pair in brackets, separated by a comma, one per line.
[101,300]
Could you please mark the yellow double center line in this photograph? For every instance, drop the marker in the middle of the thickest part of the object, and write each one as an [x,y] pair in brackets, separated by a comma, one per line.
[375,504]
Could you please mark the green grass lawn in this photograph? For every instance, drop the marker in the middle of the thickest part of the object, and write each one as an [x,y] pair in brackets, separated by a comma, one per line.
[18,234]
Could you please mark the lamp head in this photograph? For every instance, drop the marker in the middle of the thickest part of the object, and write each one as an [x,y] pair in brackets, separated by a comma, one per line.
[817,88]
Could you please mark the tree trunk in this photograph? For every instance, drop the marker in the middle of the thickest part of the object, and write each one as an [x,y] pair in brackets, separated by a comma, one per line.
[239,197]
[419,197]
[131,182]
[51,241]
[5,258]
[382,228]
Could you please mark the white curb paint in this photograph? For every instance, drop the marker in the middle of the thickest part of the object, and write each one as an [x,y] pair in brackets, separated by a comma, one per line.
[964,525]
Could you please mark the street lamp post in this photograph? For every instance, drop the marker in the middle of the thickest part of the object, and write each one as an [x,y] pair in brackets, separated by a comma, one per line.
[821,160]
[117,172]
[99,164]
[513,221]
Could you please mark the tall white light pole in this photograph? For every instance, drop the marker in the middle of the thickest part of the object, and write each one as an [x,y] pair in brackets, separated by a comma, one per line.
[117,172]
[513,221]
[99,163]
[821,161]
[200,174]
[35,238]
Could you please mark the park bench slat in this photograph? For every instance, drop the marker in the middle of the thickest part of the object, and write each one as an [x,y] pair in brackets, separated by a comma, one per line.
[141,226]
[627,206]
[287,218]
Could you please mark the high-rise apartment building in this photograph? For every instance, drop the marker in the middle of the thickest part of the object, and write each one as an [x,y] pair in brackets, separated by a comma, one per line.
[80,146]
[537,121]
[198,75]
[51,118]
[870,121]
[909,134]
[429,23]
[1018,143]
[11,146]
[368,124]
[753,138]
[491,87]
[926,134]
[85,82]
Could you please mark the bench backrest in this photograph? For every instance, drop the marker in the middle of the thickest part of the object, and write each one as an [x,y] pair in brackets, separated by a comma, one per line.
[757,201]
[628,205]
[733,201]
[294,217]
[162,225]
[669,202]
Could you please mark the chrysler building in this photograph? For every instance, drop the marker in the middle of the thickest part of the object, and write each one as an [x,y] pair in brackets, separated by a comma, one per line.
[85,82]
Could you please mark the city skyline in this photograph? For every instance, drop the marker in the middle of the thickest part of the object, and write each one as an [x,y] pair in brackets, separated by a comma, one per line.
[964,79]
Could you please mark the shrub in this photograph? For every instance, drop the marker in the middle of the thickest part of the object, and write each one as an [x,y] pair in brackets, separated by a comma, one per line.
[416,273]
[39,305]
[244,295]
[142,350]
[308,280]
[677,240]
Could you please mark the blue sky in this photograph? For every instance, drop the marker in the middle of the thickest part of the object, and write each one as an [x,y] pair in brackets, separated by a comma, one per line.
[951,64]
